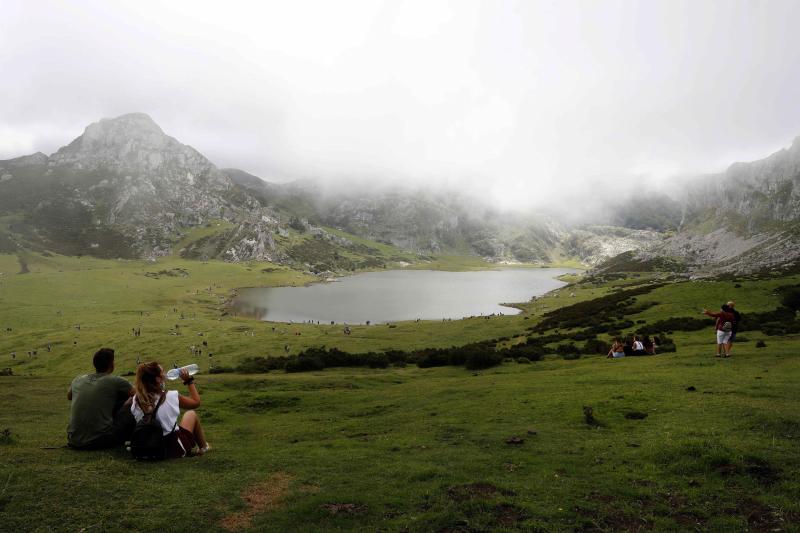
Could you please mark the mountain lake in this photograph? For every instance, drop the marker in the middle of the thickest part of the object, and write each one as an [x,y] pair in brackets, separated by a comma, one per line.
[394,295]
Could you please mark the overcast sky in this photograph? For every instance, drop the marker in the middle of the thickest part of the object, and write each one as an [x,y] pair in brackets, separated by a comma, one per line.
[522,102]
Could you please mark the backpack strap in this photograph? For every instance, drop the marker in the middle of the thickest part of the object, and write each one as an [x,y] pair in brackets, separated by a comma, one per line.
[161,401]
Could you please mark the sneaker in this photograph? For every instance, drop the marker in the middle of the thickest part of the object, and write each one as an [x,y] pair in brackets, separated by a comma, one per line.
[205,449]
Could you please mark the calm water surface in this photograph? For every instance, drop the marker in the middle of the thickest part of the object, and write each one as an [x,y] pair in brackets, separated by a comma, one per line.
[400,295]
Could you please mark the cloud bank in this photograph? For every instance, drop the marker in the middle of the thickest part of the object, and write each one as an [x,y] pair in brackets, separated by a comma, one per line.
[521,103]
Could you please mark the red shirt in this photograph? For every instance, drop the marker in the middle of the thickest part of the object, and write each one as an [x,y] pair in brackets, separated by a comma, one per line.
[722,317]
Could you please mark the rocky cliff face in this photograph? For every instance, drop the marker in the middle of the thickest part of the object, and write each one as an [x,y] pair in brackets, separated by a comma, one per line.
[594,244]
[752,195]
[744,220]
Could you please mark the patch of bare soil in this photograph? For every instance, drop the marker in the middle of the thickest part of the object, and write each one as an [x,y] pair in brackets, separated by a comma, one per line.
[260,497]
[476,491]
[507,515]
[760,517]
[347,509]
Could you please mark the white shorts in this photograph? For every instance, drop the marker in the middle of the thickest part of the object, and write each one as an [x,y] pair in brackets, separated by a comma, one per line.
[723,337]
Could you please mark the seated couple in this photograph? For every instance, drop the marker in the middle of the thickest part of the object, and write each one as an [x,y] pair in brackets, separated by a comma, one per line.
[105,408]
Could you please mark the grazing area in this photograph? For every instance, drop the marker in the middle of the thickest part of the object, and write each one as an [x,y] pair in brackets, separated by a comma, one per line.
[557,437]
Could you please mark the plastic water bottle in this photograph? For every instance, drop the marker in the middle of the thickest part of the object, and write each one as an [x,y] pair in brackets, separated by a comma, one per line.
[175,373]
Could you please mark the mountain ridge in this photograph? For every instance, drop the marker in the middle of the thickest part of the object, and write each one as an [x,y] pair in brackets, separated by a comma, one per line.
[124,188]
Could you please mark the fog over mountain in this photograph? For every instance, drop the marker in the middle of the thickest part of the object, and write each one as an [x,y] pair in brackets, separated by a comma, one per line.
[561,105]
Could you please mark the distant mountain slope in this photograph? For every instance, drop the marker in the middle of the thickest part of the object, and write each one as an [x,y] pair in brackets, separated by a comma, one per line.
[746,219]
[122,188]
[126,189]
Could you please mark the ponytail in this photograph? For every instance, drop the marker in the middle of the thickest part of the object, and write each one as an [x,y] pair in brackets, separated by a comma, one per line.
[146,387]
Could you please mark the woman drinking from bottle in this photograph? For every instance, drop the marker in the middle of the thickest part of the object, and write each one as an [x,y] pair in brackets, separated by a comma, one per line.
[181,438]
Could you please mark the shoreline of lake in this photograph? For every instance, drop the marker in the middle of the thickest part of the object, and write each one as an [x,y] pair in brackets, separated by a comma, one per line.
[399,295]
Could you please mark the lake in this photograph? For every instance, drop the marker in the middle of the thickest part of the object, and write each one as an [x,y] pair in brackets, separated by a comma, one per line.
[400,295]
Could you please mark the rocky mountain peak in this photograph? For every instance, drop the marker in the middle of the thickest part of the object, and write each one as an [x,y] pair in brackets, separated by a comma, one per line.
[27,160]
[134,145]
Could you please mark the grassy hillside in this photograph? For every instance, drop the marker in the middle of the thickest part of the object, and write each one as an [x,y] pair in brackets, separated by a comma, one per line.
[680,441]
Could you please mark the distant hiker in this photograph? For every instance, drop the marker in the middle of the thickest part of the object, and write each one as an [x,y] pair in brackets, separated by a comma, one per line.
[737,318]
[638,347]
[181,438]
[96,419]
[616,350]
[723,327]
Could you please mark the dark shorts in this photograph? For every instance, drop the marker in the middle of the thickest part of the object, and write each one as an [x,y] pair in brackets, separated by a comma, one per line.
[180,443]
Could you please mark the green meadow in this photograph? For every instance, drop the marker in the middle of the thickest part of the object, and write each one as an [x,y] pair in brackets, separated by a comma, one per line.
[680,441]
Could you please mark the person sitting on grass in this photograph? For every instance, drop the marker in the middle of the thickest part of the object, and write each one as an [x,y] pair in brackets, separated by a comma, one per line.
[649,345]
[626,347]
[96,417]
[616,350]
[183,437]
[723,327]
[638,347]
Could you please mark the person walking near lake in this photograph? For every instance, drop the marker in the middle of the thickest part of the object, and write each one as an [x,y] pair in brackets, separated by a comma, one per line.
[723,327]
[94,421]
[149,396]
[737,318]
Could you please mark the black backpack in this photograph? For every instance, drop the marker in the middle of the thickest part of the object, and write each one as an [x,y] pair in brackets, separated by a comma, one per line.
[148,442]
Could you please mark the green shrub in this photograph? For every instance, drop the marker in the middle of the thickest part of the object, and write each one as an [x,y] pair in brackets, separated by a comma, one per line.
[666,347]
[566,349]
[761,344]
[222,370]
[790,296]
[6,437]
[523,360]
[261,365]
[594,346]
[304,364]
[482,359]
[571,356]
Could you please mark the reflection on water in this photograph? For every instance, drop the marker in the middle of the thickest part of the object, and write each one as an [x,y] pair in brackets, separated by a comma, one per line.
[399,295]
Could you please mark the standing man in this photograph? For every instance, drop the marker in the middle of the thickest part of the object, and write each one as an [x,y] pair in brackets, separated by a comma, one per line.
[737,317]
[723,328]
[96,399]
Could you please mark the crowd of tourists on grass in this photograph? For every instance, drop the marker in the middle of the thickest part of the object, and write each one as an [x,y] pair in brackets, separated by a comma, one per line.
[633,345]
[726,326]
[107,411]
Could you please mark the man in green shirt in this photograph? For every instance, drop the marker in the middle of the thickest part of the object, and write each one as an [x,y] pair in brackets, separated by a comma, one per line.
[96,398]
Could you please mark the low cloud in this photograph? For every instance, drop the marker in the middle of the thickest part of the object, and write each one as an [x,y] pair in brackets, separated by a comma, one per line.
[520,103]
